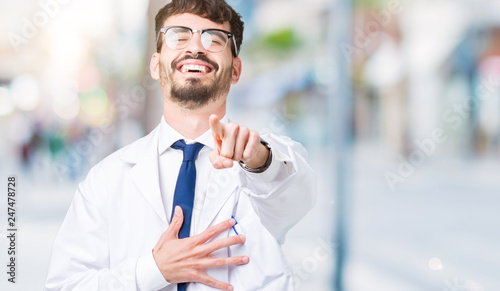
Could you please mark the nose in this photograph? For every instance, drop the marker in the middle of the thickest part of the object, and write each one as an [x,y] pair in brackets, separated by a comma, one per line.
[195,47]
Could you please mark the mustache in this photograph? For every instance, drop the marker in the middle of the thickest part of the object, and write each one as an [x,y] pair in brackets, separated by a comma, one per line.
[199,57]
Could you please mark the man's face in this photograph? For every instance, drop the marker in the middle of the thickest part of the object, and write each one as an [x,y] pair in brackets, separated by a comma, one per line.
[193,77]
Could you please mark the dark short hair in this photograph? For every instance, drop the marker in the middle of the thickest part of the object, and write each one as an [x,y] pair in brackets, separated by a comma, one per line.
[217,11]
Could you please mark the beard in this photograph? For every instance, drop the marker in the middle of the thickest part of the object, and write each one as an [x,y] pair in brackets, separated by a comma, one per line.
[196,92]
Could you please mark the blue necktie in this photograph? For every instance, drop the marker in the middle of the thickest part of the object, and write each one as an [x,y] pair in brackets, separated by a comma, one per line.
[184,189]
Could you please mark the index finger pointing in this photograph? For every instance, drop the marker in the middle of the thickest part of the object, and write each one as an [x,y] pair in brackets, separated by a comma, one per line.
[213,231]
[215,124]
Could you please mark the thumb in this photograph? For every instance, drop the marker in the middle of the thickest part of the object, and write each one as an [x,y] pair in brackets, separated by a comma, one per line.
[172,231]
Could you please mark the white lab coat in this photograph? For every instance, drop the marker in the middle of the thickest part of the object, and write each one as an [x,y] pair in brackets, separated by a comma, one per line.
[117,217]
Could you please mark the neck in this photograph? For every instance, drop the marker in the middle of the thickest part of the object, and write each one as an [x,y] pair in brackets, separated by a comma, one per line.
[192,123]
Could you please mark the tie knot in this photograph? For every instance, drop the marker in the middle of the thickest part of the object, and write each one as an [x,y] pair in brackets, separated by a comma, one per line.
[190,151]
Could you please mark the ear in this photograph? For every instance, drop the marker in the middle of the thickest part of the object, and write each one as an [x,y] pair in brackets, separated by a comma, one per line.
[236,70]
[154,66]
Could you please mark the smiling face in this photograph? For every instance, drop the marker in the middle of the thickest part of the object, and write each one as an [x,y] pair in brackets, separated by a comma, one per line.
[193,77]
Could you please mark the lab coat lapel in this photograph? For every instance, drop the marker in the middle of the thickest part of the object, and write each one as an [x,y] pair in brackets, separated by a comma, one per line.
[222,184]
[144,173]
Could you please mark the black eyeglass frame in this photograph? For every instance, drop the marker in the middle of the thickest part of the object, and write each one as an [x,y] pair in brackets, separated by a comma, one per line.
[229,35]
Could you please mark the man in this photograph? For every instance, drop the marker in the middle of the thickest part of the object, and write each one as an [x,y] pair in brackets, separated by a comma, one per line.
[120,233]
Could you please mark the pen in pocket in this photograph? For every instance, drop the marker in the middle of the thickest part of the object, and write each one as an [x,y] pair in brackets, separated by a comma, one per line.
[235,223]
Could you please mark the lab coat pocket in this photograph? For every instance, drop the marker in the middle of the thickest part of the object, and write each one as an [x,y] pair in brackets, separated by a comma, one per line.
[267,266]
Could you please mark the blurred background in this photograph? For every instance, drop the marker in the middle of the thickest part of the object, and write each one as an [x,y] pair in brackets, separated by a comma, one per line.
[396,101]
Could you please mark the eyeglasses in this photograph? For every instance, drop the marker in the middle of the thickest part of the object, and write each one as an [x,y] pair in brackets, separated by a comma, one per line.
[213,40]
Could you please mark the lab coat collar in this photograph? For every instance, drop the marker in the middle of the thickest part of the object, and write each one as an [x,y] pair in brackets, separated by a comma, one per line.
[139,149]
[144,172]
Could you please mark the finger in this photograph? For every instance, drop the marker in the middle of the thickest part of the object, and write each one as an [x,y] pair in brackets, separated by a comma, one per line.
[229,140]
[223,243]
[175,224]
[219,162]
[213,231]
[222,262]
[216,125]
[217,131]
[217,142]
[209,281]
[241,143]
[252,147]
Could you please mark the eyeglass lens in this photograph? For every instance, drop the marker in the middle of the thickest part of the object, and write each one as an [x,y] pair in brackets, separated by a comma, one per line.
[212,40]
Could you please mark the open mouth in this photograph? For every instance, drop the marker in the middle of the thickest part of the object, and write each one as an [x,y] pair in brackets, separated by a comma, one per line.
[195,69]
[199,66]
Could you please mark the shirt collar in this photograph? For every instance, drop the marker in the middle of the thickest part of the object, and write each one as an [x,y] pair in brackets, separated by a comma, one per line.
[168,136]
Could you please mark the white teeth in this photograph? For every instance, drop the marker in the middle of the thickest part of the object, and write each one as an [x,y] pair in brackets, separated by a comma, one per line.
[193,68]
